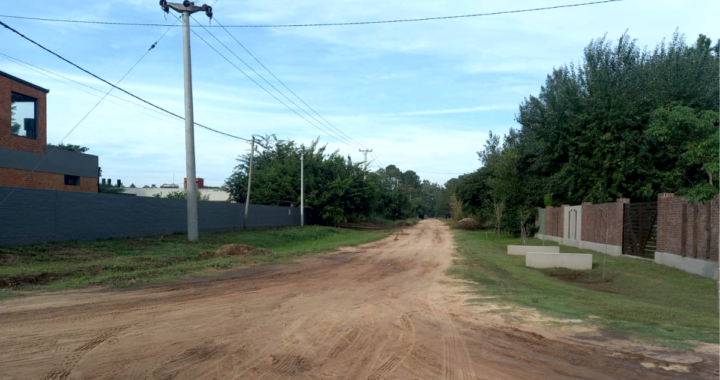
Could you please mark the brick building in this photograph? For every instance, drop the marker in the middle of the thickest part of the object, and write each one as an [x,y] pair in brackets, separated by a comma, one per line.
[25,158]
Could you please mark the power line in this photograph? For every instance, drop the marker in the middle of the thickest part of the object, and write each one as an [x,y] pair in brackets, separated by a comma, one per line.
[50,74]
[324,128]
[84,117]
[327,24]
[115,86]
[258,84]
[358,144]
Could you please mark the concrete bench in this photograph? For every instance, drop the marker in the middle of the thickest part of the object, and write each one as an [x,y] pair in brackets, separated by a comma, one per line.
[521,250]
[575,261]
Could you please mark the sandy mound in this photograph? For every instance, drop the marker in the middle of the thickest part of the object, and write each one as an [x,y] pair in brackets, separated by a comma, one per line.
[235,250]
[469,224]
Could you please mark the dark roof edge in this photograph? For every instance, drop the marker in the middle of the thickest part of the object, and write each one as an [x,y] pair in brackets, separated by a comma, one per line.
[16,79]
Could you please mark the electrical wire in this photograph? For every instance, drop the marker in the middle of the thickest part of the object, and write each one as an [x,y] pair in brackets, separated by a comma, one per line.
[115,86]
[324,128]
[328,124]
[53,75]
[258,84]
[328,24]
[84,117]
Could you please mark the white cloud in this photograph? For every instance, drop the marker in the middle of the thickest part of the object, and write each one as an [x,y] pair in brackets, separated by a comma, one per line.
[451,111]
[469,73]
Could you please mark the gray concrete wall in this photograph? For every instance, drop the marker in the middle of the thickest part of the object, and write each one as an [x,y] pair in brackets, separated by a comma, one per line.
[35,216]
[58,162]
[541,221]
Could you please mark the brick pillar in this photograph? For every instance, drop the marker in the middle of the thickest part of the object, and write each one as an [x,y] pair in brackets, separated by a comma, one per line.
[548,220]
[663,222]
[564,225]
[584,236]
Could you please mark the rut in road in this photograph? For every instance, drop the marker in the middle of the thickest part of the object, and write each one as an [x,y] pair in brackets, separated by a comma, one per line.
[378,311]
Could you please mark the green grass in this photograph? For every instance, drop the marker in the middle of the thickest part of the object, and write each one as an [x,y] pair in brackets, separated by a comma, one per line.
[649,301]
[128,262]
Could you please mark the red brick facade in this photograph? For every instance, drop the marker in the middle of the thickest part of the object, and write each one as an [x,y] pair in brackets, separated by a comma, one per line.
[603,223]
[50,181]
[554,221]
[688,229]
[7,140]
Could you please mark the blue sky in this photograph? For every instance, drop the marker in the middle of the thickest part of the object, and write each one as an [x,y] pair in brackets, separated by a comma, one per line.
[423,96]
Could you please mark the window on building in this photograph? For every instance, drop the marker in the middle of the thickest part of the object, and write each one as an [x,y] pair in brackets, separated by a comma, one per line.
[72,180]
[23,110]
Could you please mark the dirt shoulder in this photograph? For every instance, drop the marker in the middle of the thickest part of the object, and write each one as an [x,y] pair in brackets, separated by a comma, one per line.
[383,310]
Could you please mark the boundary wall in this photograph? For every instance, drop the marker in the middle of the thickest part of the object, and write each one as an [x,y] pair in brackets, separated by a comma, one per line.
[37,216]
[687,232]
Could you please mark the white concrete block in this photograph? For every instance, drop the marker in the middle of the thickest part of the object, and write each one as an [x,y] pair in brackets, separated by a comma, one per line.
[700,267]
[575,261]
[612,250]
[521,250]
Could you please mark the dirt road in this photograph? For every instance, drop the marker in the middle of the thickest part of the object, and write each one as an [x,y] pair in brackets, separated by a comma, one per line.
[379,311]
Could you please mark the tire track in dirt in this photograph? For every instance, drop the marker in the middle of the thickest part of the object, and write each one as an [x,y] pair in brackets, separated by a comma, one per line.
[63,371]
[457,364]
[296,361]
[407,344]
[380,311]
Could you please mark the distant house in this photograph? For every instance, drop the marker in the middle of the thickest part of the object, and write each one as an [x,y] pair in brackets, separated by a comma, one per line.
[25,158]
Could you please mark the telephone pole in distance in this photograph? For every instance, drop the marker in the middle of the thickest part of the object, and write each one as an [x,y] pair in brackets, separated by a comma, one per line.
[365,152]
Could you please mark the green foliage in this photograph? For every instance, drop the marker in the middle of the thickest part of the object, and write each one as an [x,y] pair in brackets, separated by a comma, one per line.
[70,147]
[442,207]
[182,194]
[132,186]
[473,191]
[110,189]
[552,200]
[587,137]
[690,136]
[15,126]
[335,188]
[625,122]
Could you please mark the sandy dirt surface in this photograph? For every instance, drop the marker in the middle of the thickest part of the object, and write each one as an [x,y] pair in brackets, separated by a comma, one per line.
[383,310]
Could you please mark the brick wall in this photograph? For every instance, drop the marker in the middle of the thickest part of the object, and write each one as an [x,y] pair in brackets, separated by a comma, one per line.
[38,180]
[603,223]
[36,216]
[7,140]
[554,221]
[688,229]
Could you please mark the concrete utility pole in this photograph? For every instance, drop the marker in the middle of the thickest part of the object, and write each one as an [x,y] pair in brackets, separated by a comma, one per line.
[302,188]
[247,199]
[365,152]
[187,8]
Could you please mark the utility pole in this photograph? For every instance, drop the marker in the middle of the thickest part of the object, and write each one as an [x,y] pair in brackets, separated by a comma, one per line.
[187,8]
[247,199]
[365,152]
[302,188]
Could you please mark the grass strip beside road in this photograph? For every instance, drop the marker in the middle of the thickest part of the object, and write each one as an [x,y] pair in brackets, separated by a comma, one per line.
[133,261]
[649,301]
